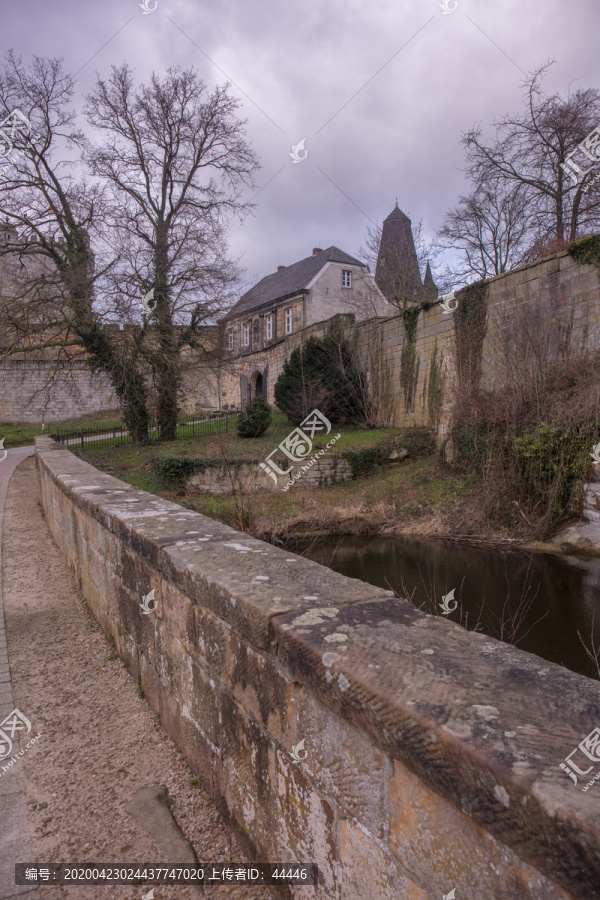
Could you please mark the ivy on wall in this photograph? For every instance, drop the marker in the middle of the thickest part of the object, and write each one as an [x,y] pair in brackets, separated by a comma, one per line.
[174,471]
[363,461]
[469,332]
[435,391]
[409,360]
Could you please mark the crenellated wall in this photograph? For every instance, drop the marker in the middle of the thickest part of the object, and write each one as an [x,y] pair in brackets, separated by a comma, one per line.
[432,754]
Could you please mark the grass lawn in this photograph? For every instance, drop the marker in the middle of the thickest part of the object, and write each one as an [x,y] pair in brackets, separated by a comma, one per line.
[16,435]
[399,496]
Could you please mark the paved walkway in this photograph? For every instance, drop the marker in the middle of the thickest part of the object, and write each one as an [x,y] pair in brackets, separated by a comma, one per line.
[13,818]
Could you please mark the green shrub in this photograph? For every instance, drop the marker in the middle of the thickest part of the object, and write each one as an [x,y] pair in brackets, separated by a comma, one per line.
[419,441]
[255,420]
[321,374]
[363,461]
[586,250]
[552,459]
[173,470]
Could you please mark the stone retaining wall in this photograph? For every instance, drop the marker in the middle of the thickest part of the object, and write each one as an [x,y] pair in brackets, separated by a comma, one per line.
[34,391]
[247,475]
[432,754]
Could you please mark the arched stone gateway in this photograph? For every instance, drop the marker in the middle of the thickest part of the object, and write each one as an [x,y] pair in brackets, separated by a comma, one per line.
[256,385]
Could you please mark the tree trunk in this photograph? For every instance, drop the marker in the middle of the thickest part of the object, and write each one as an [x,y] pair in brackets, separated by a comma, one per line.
[128,383]
[166,361]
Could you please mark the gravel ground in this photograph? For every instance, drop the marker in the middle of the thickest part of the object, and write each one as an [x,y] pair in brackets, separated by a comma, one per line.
[100,742]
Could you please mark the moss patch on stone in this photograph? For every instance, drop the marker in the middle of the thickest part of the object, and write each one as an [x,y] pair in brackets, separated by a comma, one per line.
[586,250]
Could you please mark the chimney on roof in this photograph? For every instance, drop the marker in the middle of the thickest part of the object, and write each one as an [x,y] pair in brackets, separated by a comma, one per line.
[279,268]
[317,250]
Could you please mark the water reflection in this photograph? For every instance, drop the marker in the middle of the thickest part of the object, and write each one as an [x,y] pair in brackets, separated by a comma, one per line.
[546,599]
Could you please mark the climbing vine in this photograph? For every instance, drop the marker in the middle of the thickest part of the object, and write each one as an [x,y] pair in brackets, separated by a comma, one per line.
[469,331]
[435,391]
[409,360]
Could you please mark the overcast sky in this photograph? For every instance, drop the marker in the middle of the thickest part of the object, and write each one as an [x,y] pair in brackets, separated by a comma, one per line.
[380,91]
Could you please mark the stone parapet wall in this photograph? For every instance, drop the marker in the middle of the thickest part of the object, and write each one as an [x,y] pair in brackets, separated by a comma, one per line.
[432,754]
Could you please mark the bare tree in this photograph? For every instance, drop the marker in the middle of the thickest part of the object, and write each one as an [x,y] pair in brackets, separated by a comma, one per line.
[176,161]
[489,229]
[530,151]
[50,218]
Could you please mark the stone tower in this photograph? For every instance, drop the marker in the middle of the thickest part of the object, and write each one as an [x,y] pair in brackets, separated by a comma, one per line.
[397,273]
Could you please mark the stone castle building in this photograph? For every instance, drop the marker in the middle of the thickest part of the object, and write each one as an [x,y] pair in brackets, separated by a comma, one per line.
[287,302]
[296,297]
[413,374]
[281,305]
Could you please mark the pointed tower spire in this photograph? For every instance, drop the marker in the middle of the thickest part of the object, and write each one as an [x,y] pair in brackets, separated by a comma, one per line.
[429,287]
[397,273]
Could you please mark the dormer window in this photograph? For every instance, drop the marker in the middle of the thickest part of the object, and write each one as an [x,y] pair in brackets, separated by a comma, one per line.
[346,278]
[288,321]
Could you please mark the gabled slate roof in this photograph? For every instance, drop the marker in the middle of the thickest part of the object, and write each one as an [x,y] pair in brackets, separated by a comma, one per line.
[291,280]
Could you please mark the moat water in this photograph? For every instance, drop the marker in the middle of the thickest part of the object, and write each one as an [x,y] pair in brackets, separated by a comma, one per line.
[536,601]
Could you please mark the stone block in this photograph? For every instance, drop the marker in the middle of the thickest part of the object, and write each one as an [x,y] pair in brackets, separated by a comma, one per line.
[262,688]
[199,752]
[200,699]
[343,764]
[178,614]
[369,872]
[237,805]
[247,751]
[173,664]
[211,642]
[440,847]
[149,683]
[240,593]
[306,821]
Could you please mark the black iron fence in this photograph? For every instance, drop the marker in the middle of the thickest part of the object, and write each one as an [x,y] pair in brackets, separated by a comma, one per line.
[111,434]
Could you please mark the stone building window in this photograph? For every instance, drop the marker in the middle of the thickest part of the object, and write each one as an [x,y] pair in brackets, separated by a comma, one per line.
[346,278]
[289,326]
[269,327]
[230,339]
[246,329]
